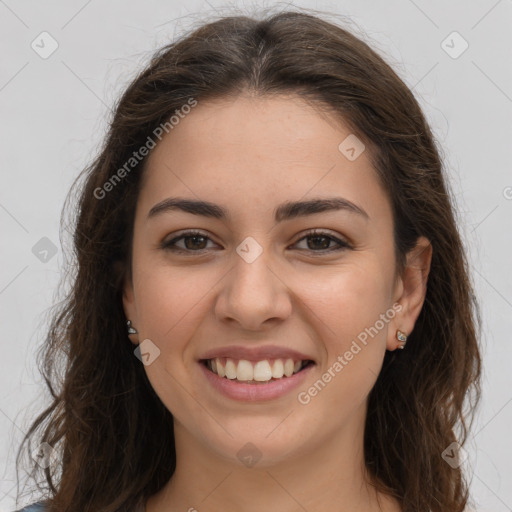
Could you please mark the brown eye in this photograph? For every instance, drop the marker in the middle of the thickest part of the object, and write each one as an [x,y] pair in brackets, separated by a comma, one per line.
[319,241]
[197,242]
[193,241]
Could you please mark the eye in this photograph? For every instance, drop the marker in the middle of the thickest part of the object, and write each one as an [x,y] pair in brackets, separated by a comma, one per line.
[194,241]
[321,240]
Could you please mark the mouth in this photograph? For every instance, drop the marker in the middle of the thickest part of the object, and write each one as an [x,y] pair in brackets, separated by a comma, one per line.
[255,372]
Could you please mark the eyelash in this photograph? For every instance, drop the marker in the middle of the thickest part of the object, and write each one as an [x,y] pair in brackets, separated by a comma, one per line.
[171,244]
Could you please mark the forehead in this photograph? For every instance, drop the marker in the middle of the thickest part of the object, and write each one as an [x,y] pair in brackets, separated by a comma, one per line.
[252,151]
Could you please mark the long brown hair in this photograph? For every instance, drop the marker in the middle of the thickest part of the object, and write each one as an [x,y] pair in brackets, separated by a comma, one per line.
[113,435]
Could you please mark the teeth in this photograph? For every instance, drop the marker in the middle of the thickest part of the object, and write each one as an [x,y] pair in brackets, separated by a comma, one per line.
[262,371]
[244,370]
[288,367]
[278,369]
[230,369]
[220,370]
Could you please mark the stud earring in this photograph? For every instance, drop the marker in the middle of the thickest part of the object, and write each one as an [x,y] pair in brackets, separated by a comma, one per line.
[402,338]
[131,330]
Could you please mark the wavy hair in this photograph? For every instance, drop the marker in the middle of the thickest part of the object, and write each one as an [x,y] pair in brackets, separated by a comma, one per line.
[113,436]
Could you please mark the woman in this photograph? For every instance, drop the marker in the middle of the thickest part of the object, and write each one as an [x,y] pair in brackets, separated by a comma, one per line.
[267,223]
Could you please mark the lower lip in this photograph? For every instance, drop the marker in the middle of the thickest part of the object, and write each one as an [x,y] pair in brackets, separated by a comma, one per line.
[255,392]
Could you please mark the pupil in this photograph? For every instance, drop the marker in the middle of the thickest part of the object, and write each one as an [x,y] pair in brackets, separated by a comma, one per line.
[325,245]
[194,246]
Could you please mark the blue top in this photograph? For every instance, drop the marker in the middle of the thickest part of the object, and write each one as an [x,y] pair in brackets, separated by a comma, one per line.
[35,507]
[40,507]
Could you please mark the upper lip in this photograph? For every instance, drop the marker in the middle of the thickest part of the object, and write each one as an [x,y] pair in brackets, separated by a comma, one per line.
[256,353]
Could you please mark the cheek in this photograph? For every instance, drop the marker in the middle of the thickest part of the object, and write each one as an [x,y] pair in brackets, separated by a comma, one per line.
[347,307]
[171,303]
[347,299]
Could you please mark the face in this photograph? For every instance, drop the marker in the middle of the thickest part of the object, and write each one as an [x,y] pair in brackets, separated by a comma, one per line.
[259,281]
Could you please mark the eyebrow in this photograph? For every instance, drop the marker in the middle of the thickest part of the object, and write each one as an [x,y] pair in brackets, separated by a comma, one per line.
[285,211]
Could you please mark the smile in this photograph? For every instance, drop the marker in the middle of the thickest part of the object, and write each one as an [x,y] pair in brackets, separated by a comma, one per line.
[257,372]
[239,380]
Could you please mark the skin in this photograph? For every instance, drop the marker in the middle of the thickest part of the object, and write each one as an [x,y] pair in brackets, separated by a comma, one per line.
[249,155]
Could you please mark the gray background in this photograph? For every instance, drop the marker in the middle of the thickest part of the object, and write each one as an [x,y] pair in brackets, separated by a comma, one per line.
[54,110]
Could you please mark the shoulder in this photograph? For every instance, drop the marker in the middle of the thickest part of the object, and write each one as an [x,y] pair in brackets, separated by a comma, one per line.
[35,507]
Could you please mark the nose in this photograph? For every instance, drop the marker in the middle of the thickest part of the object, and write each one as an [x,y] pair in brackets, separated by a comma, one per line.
[254,294]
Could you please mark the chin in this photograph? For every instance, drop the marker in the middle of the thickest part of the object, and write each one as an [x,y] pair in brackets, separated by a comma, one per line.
[260,445]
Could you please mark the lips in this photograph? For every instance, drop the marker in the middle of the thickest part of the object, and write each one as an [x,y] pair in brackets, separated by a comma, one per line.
[253,391]
[255,354]
[249,373]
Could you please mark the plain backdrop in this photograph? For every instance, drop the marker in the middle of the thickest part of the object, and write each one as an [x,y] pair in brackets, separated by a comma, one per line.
[455,55]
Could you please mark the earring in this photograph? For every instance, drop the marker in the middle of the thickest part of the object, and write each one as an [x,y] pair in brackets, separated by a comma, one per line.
[402,338]
[131,330]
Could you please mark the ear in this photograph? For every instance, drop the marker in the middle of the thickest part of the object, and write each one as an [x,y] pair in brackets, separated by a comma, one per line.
[129,308]
[410,290]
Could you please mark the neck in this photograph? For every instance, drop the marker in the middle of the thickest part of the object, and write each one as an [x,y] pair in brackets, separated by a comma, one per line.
[329,475]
